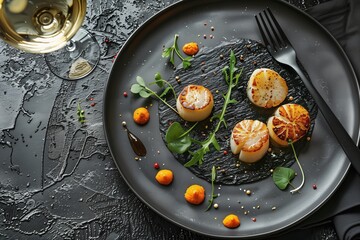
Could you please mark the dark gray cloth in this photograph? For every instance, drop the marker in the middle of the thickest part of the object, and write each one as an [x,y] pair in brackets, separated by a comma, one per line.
[342,19]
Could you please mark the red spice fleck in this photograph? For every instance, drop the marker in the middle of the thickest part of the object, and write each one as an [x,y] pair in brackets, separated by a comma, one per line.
[106,40]
[91,99]
[93,104]
[156,165]
[314,186]
[253,219]
[125,94]
[225,152]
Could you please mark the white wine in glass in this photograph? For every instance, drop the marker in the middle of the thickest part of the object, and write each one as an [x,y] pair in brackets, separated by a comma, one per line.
[51,27]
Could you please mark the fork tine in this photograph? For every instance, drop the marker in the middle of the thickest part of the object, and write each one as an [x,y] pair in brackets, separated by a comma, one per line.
[271,31]
[284,40]
[263,35]
[267,31]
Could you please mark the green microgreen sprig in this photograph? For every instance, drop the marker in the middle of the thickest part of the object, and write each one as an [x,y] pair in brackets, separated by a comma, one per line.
[283,176]
[81,114]
[170,53]
[144,90]
[232,79]
[212,196]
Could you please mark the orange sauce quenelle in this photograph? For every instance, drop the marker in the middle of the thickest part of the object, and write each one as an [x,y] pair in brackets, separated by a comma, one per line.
[231,221]
[141,116]
[190,48]
[164,177]
[195,194]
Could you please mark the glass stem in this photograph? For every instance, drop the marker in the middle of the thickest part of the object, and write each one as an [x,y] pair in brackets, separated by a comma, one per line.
[73,49]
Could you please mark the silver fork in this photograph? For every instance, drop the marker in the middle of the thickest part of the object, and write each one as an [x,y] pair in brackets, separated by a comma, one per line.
[282,51]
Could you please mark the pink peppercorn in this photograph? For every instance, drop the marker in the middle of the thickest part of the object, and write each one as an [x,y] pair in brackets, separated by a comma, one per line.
[125,94]
[156,165]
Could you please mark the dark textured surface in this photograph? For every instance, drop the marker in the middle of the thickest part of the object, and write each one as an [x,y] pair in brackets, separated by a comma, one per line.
[57,179]
[207,66]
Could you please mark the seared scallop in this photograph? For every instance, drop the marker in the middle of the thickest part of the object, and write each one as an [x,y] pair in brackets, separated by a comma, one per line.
[290,122]
[266,88]
[195,103]
[250,138]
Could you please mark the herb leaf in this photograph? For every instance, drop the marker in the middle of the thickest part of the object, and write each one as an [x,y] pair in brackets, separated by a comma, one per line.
[81,114]
[145,91]
[140,81]
[170,53]
[212,196]
[283,176]
[177,139]
[231,78]
[144,94]
[136,88]
[167,51]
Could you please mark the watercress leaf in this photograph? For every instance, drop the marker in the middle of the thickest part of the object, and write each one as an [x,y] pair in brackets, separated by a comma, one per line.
[282,177]
[174,132]
[166,52]
[143,93]
[136,88]
[180,145]
[176,139]
[140,81]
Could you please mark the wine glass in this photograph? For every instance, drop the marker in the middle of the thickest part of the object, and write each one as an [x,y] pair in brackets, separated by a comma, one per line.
[51,27]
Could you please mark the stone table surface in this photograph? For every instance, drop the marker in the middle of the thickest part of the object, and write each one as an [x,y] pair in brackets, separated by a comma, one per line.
[57,177]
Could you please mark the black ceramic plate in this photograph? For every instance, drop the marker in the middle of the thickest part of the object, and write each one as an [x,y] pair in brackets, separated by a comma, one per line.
[324,162]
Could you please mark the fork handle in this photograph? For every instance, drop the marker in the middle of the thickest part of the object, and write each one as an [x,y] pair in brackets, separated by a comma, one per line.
[348,145]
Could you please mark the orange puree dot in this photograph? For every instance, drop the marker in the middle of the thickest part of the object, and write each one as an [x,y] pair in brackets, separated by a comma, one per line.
[231,221]
[190,48]
[164,176]
[141,116]
[195,194]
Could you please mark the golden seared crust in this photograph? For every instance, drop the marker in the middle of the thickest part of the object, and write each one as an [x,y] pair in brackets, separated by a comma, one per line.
[195,103]
[250,138]
[266,88]
[195,97]
[290,122]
